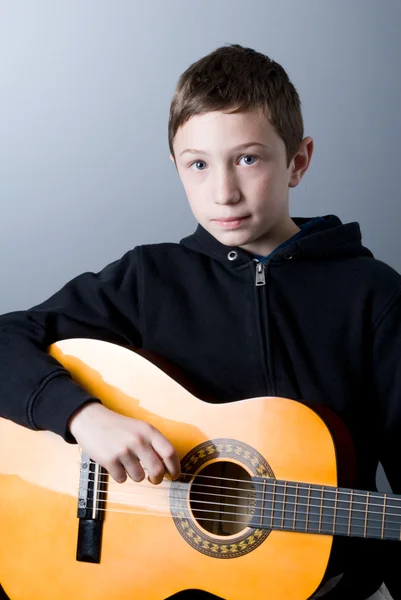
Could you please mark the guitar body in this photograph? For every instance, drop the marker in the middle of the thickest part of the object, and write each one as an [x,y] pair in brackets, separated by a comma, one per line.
[145,552]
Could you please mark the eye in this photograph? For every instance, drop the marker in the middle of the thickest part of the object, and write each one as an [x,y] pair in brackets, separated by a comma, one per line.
[198,163]
[247,161]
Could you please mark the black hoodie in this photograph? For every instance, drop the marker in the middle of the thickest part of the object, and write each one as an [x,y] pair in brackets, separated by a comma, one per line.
[325,327]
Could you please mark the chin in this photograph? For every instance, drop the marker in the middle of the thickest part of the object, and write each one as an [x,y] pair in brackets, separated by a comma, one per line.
[232,238]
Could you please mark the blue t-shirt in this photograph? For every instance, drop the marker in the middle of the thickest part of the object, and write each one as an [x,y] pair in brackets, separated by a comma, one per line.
[304,231]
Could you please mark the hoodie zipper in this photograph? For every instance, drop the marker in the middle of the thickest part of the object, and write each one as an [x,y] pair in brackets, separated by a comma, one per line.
[260,282]
[260,273]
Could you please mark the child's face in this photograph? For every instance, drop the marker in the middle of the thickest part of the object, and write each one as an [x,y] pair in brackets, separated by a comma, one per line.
[239,194]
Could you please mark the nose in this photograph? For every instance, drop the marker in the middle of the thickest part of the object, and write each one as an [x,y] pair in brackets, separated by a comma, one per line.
[226,188]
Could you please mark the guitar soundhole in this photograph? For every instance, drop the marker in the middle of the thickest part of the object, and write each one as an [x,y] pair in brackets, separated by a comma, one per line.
[223,498]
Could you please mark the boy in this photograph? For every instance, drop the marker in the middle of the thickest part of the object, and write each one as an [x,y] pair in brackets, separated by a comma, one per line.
[296,308]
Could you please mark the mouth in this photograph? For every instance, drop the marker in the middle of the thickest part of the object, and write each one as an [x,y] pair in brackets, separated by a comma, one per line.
[231,223]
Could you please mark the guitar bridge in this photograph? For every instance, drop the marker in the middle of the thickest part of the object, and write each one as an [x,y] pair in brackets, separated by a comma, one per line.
[91,507]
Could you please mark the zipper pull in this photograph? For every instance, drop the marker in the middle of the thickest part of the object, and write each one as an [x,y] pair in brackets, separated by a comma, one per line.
[260,274]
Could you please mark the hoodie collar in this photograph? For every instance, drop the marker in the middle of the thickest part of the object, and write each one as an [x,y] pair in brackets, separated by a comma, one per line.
[329,238]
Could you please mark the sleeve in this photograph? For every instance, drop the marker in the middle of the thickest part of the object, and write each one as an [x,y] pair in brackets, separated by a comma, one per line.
[387,377]
[35,390]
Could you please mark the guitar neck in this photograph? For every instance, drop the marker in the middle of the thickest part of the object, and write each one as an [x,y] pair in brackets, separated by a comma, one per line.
[308,508]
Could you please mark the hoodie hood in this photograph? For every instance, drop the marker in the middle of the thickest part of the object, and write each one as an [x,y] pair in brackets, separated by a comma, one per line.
[329,238]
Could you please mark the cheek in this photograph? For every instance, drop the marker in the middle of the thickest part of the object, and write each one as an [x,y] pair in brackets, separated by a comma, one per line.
[259,187]
[189,182]
[195,201]
[190,191]
[195,191]
[265,192]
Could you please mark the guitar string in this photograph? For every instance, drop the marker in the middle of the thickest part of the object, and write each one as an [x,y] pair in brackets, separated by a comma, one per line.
[288,506]
[158,492]
[320,506]
[130,512]
[387,529]
[270,483]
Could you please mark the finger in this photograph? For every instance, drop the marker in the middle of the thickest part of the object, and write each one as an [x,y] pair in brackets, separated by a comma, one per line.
[117,471]
[167,454]
[132,466]
[151,463]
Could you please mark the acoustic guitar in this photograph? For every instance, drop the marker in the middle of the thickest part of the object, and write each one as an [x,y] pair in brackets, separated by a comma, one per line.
[253,514]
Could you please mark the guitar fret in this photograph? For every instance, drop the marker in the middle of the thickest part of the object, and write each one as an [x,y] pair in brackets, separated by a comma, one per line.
[384,515]
[335,511]
[263,503]
[295,507]
[284,505]
[366,515]
[350,513]
[315,510]
[392,518]
[278,506]
[321,510]
[291,507]
[308,507]
[273,503]
[373,513]
[329,501]
[301,507]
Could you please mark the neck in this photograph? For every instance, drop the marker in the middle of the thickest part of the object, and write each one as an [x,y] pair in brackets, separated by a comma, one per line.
[301,507]
[273,238]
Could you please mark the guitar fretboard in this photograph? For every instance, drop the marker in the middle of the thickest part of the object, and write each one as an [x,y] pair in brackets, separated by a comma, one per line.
[302,507]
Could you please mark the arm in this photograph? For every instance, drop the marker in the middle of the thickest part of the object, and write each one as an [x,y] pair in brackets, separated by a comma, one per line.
[36,391]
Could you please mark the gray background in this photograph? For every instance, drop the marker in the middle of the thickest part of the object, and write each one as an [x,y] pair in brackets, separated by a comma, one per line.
[85,87]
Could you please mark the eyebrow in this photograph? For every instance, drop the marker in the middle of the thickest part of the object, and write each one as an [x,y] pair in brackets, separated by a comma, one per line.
[240,147]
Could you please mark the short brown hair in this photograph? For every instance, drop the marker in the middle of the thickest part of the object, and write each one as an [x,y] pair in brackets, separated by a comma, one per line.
[234,79]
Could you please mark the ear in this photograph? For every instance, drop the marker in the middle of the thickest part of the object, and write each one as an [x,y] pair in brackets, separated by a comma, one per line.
[300,163]
[173,160]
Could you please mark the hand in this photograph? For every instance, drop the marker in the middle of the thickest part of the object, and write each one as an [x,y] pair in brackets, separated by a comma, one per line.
[123,445]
